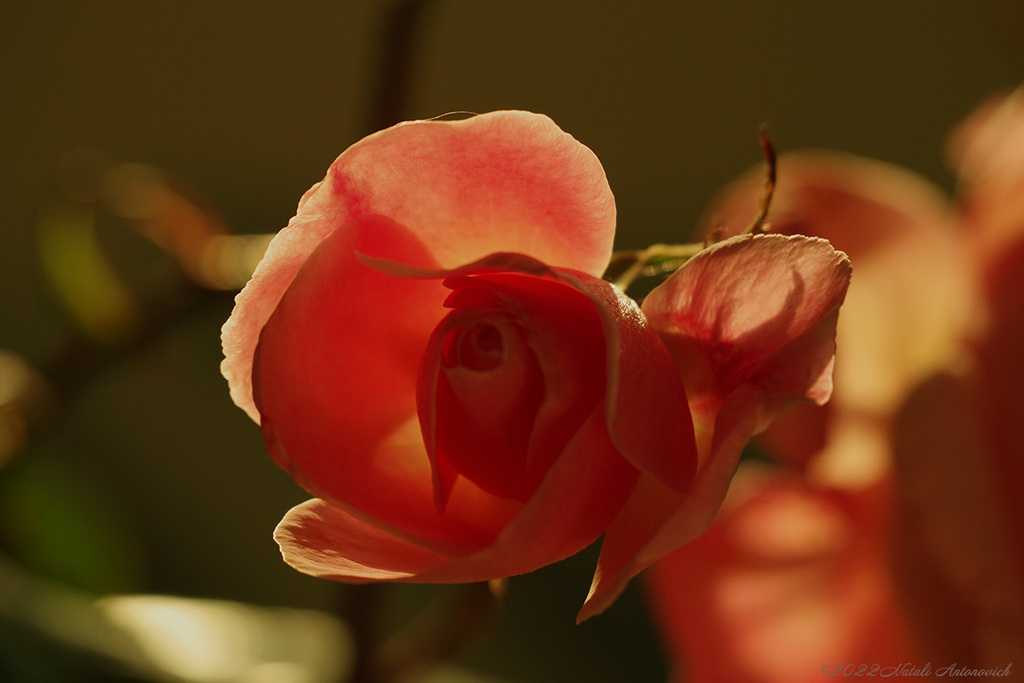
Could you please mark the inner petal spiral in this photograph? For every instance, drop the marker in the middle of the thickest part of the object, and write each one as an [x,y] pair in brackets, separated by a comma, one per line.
[478,347]
[488,393]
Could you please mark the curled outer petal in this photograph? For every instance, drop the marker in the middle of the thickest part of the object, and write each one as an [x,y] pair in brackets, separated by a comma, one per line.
[581,492]
[504,181]
[750,323]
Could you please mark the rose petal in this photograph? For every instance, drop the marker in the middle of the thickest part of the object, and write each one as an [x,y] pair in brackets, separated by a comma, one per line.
[336,377]
[362,430]
[557,378]
[648,414]
[505,181]
[322,540]
[751,325]
[755,310]
[656,520]
[582,492]
[990,163]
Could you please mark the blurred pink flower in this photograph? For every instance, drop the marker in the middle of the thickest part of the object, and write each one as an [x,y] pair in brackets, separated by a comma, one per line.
[431,352]
[896,534]
[790,577]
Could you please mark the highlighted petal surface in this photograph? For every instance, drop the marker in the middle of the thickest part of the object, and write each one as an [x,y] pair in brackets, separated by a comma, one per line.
[505,181]
[753,310]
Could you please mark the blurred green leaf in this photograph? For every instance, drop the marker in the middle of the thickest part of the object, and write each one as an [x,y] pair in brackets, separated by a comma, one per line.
[82,276]
[55,521]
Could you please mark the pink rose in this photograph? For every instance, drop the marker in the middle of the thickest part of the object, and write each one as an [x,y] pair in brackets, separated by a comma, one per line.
[460,410]
[431,352]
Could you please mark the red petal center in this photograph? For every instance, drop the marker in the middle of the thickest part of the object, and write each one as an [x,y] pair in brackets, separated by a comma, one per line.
[508,378]
[479,347]
[489,391]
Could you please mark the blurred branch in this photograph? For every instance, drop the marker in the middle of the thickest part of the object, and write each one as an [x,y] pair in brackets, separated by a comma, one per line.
[401,23]
[199,265]
[114,318]
[439,633]
[365,611]
[443,629]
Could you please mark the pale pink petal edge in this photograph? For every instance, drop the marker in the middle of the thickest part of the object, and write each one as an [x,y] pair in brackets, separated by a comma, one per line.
[582,239]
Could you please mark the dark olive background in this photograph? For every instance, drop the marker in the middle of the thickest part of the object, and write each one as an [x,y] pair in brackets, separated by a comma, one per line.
[149,479]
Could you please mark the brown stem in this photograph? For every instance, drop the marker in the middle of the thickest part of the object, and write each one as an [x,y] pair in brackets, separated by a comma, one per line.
[678,253]
[400,25]
[364,616]
[759,226]
[440,632]
[395,62]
